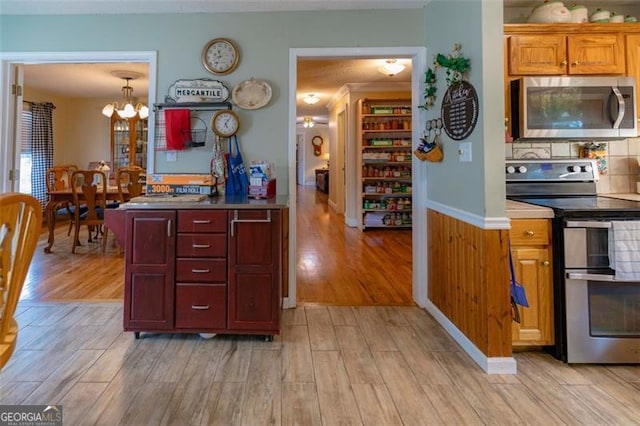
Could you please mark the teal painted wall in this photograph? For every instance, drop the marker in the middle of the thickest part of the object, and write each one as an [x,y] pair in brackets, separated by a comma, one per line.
[474,186]
[264,40]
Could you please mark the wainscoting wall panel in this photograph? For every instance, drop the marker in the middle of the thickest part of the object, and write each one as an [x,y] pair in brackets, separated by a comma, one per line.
[469,280]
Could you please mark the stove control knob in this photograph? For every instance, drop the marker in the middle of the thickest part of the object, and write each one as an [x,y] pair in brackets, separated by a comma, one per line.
[574,169]
[522,169]
[511,170]
[587,168]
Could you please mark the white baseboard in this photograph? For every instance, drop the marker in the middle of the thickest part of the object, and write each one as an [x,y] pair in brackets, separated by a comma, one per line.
[490,365]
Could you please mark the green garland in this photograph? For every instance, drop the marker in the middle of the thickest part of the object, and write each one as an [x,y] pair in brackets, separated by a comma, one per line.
[456,67]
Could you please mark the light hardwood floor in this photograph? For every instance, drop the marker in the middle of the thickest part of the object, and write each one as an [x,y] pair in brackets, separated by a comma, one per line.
[331,365]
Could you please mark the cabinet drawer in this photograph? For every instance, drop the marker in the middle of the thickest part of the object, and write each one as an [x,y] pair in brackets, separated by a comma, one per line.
[201,306]
[529,231]
[202,221]
[201,270]
[202,245]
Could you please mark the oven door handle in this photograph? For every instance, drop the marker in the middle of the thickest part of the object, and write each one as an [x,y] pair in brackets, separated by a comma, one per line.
[587,224]
[596,277]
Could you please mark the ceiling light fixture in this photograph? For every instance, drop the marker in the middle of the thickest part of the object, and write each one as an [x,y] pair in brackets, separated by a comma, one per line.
[391,67]
[311,99]
[127,109]
[308,122]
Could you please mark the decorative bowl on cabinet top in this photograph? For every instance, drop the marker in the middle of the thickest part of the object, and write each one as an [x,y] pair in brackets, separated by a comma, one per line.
[550,12]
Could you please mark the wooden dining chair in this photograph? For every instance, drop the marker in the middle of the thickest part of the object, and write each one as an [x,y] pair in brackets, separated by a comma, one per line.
[59,178]
[20,222]
[89,187]
[129,178]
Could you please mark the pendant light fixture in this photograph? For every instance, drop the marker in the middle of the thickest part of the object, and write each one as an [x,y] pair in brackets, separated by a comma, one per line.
[391,67]
[311,99]
[127,108]
[308,122]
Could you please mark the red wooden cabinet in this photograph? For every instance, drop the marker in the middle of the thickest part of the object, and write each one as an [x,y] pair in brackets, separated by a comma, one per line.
[255,269]
[204,270]
[149,269]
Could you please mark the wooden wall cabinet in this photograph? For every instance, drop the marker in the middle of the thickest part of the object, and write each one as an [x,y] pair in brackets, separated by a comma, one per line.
[633,61]
[128,142]
[204,271]
[555,54]
[531,253]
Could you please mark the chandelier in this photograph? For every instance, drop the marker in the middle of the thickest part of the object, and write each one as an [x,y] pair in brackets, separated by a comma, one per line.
[127,109]
[391,67]
[308,122]
[311,99]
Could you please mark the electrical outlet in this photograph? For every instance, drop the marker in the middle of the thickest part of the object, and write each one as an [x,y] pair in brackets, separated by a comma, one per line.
[464,152]
[172,156]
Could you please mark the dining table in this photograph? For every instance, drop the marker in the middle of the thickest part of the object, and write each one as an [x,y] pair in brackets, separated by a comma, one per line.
[61,195]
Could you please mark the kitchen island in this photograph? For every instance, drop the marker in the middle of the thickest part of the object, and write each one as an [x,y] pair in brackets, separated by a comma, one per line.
[213,265]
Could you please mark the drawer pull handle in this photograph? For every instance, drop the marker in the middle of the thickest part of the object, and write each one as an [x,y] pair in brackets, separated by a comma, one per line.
[529,233]
[576,63]
[200,271]
[197,246]
[201,222]
[200,307]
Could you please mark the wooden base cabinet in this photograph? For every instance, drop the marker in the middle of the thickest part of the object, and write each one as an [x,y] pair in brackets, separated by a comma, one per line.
[149,270]
[204,271]
[255,270]
[531,253]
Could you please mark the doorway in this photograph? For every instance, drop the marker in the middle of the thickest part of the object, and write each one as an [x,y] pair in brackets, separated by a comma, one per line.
[11,73]
[417,55]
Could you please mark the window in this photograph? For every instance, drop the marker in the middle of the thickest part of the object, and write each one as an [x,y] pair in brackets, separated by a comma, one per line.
[25,149]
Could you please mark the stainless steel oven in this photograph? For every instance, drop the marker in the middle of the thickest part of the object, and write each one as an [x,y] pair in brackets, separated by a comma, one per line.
[596,316]
[602,313]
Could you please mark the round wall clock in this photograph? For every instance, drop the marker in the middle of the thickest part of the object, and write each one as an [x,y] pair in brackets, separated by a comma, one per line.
[225,123]
[220,56]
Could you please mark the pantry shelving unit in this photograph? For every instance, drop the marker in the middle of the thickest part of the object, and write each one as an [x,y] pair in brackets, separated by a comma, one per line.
[385,163]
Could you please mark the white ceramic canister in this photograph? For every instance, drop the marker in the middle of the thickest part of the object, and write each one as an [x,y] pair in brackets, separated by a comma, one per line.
[630,18]
[615,18]
[550,12]
[600,16]
[579,14]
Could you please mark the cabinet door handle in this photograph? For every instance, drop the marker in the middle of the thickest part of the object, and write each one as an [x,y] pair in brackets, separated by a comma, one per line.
[200,271]
[200,307]
[575,64]
[545,263]
[199,246]
[235,219]
[200,222]
[169,228]
[563,63]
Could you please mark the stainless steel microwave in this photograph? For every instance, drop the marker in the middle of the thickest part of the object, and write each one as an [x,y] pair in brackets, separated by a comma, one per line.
[573,107]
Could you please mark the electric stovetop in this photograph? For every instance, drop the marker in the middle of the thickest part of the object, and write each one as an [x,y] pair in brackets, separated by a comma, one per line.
[586,206]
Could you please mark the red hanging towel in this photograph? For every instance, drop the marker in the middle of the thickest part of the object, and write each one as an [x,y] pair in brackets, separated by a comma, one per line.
[178,127]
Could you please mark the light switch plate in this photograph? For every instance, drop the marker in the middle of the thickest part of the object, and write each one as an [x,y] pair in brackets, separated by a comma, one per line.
[464,151]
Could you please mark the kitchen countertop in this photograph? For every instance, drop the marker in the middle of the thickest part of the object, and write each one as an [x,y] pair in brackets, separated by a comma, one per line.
[217,202]
[630,196]
[519,210]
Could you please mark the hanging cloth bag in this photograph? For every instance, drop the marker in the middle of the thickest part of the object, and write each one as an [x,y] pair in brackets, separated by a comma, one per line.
[219,167]
[237,180]
[518,295]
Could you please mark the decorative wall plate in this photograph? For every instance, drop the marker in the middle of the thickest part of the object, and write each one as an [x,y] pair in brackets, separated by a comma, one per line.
[251,94]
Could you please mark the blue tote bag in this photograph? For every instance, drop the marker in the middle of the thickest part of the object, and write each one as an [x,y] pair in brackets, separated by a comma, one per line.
[237,180]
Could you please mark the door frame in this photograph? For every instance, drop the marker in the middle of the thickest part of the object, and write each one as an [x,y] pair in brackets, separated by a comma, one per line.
[9,61]
[418,55]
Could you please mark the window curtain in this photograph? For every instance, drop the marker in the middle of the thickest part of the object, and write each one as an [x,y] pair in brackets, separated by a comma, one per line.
[41,148]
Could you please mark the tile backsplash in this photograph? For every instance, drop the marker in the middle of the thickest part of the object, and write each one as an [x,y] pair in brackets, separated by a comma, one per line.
[621,158]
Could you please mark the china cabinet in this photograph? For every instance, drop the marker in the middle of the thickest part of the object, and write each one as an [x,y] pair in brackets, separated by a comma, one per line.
[128,142]
[385,157]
